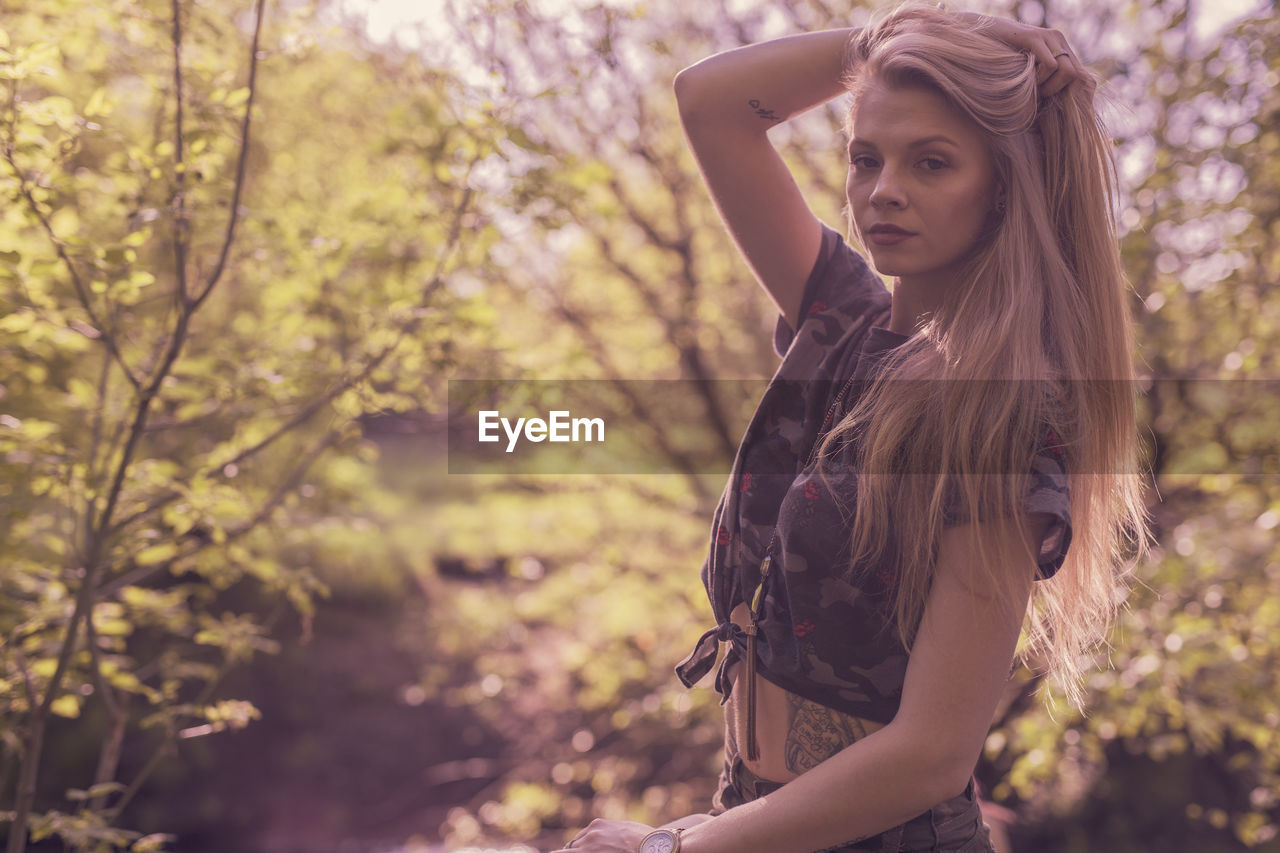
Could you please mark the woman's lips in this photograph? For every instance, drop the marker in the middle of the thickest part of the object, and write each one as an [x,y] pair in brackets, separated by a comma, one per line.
[888,238]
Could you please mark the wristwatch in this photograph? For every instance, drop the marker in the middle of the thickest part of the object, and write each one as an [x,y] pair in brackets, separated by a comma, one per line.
[661,841]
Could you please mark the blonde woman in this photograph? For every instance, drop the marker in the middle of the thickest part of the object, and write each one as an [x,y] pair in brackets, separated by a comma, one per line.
[932,469]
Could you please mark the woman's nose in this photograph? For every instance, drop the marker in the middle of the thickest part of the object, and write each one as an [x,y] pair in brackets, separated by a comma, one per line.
[888,190]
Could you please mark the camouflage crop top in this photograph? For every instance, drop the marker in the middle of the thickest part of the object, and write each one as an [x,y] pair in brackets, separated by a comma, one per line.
[822,637]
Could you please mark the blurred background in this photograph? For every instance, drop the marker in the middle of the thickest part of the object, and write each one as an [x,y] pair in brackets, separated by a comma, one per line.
[243,248]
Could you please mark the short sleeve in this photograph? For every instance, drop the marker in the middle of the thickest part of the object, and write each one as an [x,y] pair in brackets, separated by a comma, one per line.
[1048,496]
[840,284]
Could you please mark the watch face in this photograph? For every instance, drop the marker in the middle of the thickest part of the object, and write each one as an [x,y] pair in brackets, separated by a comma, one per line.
[661,841]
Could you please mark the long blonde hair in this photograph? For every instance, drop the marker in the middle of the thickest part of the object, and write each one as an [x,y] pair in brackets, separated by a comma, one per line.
[1036,332]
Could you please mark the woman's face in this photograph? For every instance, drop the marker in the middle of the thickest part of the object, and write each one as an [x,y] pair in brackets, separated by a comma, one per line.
[918,164]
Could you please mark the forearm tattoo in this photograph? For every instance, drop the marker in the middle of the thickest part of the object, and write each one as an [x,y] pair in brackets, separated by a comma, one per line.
[763,112]
[816,732]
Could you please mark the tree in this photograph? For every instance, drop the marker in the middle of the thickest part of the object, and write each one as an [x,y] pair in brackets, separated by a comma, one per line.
[200,306]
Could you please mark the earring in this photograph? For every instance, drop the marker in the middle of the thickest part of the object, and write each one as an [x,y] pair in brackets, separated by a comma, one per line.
[1000,205]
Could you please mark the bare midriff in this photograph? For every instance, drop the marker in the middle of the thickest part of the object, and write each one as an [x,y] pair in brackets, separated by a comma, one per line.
[794,734]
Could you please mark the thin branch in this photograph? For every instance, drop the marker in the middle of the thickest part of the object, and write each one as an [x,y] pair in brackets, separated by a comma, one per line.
[95,443]
[169,744]
[113,446]
[650,230]
[410,325]
[95,656]
[82,293]
[302,416]
[690,353]
[32,699]
[181,224]
[234,214]
[293,481]
[165,424]
[643,412]
[109,756]
[9,758]
[287,485]
[39,716]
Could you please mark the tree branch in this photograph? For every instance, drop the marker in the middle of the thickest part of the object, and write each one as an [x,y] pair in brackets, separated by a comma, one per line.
[97,529]
[82,294]
[117,717]
[234,214]
[181,223]
[168,745]
[289,484]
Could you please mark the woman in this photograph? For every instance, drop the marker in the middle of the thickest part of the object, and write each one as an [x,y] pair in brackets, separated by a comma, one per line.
[925,460]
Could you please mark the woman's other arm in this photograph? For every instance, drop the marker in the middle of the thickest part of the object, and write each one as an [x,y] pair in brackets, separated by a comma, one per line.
[958,667]
[727,104]
[687,821]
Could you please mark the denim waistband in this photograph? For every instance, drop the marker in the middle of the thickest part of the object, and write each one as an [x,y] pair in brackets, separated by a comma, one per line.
[952,825]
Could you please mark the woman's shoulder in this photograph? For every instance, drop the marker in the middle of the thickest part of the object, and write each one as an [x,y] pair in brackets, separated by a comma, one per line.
[841,291]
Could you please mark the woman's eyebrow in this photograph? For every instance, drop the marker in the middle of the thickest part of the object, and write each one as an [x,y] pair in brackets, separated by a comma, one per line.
[863,143]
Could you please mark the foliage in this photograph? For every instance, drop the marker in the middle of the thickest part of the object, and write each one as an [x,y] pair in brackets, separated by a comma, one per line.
[198,360]
[202,299]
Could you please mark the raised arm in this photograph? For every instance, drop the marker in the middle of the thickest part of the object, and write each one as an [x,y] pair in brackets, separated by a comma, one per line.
[727,104]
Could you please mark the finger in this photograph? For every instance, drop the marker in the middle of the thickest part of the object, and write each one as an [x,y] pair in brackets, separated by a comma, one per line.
[1078,73]
[1045,63]
[1077,67]
[572,844]
[1083,75]
[1064,71]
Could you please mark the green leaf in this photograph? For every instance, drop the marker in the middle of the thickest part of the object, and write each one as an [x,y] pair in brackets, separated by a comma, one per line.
[67,705]
[99,790]
[153,843]
[17,322]
[137,238]
[52,111]
[97,104]
[44,667]
[155,554]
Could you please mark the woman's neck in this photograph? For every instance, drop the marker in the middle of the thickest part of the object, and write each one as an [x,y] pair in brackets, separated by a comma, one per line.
[912,305]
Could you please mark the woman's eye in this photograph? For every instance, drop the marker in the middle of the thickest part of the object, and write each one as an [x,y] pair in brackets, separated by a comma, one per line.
[931,164]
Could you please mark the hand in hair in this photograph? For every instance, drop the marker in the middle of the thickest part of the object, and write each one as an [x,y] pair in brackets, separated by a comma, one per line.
[1057,66]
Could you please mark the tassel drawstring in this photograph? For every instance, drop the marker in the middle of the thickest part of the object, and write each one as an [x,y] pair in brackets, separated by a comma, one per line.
[757,600]
[753,750]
